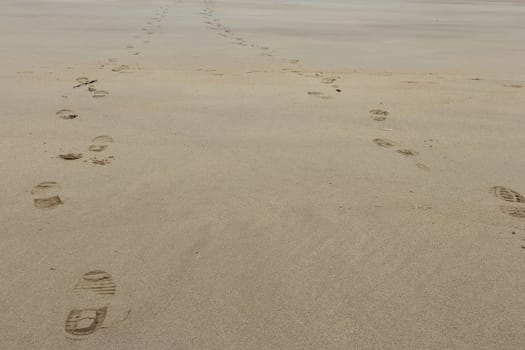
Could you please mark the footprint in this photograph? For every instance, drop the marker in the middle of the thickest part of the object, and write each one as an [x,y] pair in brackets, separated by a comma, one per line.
[66,114]
[407,152]
[103,139]
[97,281]
[516,212]
[47,203]
[328,80]
[378,112]
[120,68]
[45,195]
[507,194]
[386,143]
[70,156]
[100,94]
[82,322]
[102,161]
[378,115]
[319,94]
[84,81]
[100,143]
[92,297]
[45,188]
[422,166]
[97,148]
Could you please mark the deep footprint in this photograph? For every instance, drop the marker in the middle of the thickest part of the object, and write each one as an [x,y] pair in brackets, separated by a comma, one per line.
[92,292]
[83,322]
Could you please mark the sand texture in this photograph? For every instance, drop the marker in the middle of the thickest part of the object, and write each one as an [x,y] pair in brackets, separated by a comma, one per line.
[248,174]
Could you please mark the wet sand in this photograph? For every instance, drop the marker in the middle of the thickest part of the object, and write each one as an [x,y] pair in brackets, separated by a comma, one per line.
[262,175]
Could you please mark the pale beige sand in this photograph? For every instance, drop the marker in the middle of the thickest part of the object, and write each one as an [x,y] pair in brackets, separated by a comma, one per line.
[246,205]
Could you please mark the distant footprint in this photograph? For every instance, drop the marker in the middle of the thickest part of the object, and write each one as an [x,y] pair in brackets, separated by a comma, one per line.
[328,80]
[66,114]
[84,81]
[507,194]
[93,294]
[378,115]
[516,212]
[386,143]
[100,94]
[319,95]
[45,195]
[104,139]
[120,69]
[422,166]
[407,152]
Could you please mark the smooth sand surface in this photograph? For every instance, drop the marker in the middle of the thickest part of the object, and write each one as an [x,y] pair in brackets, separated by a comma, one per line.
[274,174]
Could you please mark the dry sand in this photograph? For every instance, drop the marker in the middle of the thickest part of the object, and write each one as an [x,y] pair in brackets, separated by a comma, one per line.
[237,199]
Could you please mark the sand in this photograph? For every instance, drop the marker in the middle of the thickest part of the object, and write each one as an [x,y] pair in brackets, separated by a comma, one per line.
[262,174]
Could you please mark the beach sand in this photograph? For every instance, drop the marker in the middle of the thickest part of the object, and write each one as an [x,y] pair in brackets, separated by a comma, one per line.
[262,174]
